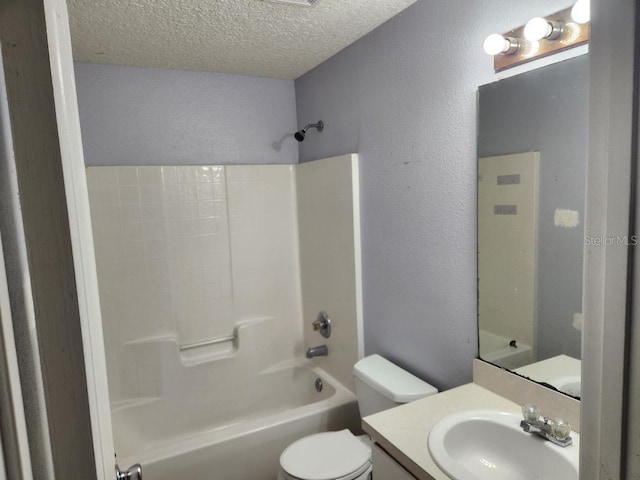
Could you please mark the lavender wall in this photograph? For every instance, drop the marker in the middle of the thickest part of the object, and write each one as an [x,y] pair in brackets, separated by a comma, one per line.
[139,116]
[404,99]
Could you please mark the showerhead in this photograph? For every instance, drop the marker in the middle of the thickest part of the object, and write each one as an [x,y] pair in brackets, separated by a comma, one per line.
[300,134]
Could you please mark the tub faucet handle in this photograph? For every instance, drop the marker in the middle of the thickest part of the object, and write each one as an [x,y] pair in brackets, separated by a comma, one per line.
[323,324]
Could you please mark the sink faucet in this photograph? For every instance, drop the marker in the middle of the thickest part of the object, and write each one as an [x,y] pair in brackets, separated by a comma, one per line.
[320,351]
[557,431]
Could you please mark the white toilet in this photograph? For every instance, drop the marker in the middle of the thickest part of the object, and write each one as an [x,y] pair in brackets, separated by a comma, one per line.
[341,455]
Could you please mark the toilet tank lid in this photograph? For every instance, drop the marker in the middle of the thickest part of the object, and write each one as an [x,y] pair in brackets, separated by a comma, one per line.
[391,381]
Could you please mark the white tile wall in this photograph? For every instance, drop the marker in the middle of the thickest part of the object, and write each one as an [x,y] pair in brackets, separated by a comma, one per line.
[265,260]
[188,251]
[329,229]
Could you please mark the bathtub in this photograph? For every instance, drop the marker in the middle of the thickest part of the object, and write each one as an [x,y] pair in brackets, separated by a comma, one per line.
[232,430]
[497,350]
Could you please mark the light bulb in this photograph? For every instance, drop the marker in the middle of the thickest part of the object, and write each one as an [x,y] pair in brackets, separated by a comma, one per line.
[561,428]
[537,28]
[495,44]
[581,11]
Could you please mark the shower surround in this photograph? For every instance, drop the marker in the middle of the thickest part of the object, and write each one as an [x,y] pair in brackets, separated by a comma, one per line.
[189,251]
[199,270]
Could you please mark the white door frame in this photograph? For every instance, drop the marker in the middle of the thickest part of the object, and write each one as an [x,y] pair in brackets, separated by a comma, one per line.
[607,295]
[54,208]
[64,89]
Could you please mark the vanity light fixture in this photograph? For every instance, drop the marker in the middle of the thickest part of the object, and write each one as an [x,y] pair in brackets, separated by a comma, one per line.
[541,36]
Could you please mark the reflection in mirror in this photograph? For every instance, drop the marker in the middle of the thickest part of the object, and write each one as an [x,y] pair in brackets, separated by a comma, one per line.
[531,187]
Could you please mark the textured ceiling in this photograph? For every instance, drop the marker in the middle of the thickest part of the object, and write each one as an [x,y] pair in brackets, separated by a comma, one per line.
[249,37]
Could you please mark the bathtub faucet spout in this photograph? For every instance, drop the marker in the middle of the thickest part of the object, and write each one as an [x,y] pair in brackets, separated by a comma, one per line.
[320,351]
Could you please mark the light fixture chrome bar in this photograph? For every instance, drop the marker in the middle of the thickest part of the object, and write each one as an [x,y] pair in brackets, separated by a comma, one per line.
[553,33]
[205,343]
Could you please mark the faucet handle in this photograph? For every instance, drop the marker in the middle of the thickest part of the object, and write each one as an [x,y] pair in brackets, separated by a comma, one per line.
[323,324]
[530,412]
[561,428]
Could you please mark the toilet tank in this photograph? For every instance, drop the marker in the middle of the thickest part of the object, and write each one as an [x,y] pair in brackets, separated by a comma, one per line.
[381,384]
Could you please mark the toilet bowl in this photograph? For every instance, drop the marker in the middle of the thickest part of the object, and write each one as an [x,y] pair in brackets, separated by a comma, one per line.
[327,456]
[342,455]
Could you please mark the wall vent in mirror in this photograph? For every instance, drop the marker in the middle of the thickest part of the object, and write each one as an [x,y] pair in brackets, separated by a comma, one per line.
[541,36]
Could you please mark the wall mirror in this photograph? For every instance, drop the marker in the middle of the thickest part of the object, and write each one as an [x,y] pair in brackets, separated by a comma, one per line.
[532,139]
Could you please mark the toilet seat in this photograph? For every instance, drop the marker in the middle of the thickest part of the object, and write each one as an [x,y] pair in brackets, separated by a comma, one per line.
[362,474]
[327,456]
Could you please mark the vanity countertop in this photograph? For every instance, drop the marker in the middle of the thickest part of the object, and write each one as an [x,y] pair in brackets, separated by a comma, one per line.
[403,431]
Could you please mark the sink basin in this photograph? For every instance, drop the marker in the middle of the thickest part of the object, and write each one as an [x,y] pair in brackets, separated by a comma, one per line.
[487,444]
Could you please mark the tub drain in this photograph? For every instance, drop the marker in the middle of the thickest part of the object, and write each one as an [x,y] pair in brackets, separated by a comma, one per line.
[318,384]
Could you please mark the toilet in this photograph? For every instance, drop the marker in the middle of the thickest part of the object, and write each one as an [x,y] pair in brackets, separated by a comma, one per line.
[342,455]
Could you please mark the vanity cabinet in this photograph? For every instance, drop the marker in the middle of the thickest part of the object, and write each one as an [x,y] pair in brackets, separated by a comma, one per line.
[386,468]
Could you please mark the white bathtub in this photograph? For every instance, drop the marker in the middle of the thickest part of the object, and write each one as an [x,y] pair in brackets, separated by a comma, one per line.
[234,430]
[497,350]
